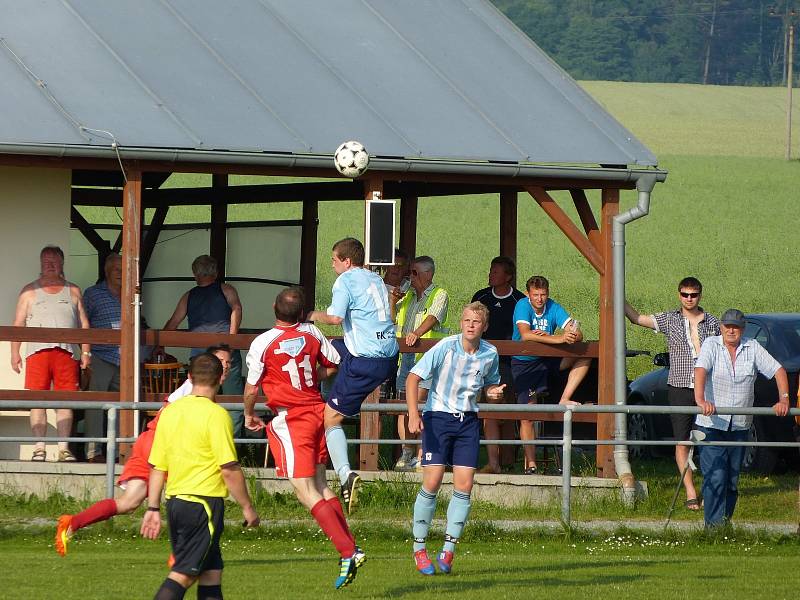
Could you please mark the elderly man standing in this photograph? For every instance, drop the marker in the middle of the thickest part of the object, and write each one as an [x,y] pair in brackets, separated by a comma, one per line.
[51,301]
[421,313]
[213,307]
[102,304]
[725,375]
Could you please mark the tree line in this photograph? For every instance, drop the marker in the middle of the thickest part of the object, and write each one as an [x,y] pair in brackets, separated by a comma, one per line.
[723,42]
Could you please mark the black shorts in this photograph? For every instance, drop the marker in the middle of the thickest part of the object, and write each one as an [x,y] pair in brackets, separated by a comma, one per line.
[195,527]
[532,375]
[681,424]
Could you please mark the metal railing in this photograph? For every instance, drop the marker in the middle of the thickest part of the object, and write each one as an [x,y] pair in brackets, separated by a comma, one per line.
[566,442]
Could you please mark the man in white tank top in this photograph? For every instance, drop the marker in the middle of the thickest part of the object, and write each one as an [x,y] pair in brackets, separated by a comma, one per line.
[51,301]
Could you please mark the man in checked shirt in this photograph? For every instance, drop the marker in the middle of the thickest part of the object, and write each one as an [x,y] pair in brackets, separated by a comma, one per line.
[686,328]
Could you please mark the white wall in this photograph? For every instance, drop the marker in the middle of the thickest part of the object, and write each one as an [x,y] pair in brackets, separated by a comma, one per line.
[34,212]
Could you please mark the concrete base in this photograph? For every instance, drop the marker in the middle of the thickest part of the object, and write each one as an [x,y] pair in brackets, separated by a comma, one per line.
[87,482]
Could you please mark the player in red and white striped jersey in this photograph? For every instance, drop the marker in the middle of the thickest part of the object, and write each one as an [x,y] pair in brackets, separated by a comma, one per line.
[287,362]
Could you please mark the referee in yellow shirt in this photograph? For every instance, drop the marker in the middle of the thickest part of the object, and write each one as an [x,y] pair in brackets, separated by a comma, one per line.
[194,444]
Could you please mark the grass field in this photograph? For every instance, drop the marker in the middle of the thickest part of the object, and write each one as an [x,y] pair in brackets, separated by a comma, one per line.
[296,562]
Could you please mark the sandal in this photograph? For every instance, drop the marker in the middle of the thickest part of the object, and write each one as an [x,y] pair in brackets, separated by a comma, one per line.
[692,504]
[66,456]
[39,455]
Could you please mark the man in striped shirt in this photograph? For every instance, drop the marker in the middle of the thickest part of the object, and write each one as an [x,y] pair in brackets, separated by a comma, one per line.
[460,368]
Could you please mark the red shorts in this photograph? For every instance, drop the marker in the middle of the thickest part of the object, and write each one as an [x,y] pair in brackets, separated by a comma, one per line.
[51,366]
[137,467]
[297,441]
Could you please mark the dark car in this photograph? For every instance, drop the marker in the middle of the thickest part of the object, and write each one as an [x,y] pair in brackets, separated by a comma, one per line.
[779,333]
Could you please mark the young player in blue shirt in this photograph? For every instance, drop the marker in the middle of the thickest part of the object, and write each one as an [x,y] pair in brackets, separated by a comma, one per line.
[461,366]
[360,304]
[536,318]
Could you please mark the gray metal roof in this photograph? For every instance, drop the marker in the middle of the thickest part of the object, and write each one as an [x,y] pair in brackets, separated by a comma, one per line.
[432,80]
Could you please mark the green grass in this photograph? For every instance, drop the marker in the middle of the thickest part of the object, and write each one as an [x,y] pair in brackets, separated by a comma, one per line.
[297,562]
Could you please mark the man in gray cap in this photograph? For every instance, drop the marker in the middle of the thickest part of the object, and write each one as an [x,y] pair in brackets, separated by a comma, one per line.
[725,375]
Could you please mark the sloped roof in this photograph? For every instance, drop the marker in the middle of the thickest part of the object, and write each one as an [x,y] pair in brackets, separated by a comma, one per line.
[429,80]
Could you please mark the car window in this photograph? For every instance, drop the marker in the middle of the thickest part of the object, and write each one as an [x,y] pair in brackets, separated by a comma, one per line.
[758,333]
[791,336]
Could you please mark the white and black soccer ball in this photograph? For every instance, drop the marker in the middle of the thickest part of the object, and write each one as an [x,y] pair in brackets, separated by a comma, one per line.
[351,159]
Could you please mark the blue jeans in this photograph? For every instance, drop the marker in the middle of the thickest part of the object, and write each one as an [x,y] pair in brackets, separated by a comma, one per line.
[720,466]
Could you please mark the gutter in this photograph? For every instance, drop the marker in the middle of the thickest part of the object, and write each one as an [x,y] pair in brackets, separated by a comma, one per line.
[324,161]
[644,186]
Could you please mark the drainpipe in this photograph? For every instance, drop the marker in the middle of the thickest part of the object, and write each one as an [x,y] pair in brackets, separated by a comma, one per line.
[644,185]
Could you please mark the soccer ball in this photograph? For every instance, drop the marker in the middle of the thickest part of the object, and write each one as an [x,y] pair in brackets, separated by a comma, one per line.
[351,159]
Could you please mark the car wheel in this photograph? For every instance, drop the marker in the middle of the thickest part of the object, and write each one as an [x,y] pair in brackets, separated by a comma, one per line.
[638,430]
[758,459]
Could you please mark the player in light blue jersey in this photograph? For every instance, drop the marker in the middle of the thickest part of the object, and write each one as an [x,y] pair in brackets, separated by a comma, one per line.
[461,366]
[360,304]
[537,317]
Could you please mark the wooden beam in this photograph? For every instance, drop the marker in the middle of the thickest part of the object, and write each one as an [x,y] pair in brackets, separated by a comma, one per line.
[371,421]
[587,216]
[151,237]
[98,243]
[408,225]
[131,240]
[605,371]
[308,252]
[219,220]
[560,218]
[508,226]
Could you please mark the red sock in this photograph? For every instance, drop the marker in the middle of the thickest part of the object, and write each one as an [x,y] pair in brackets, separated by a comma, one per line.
[337,508]
[99,511]
[329,522]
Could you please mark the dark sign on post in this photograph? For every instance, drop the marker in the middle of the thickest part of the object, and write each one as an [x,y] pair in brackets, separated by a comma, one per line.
[380,232]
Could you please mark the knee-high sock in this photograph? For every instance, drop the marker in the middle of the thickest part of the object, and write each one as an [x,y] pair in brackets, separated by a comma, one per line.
[457,514]
[424,507]
[209,592]
[325,515]
[337,448]
[99,511]
[337,508]
[170,590]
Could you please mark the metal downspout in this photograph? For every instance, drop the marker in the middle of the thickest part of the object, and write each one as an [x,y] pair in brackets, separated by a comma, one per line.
[644,185]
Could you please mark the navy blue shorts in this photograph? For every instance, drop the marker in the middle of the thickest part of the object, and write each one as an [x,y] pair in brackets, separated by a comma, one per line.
[450,439]
[531,376]
[357,378]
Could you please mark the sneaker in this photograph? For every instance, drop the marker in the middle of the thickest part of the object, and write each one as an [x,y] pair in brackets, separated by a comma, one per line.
[445,561]
[402,462]
[415,464]
[349,492]
[424,564]
[63,533]
[360,557]
[347,572]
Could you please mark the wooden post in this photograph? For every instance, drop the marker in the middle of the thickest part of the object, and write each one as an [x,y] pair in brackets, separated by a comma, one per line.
[371,421]
[219,222]
[308,252]
[605,371]
[408,225]
[508,226]
[131,240]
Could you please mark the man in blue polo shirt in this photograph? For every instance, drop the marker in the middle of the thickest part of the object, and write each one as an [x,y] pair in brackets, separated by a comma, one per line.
[460,368]
[537,318]
[360,304]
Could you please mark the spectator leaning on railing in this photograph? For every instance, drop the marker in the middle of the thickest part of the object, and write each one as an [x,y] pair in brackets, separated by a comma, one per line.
[725,375]
[51,301]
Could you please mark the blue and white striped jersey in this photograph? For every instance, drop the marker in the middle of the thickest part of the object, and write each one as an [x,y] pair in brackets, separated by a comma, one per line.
[360,298]
[458,377]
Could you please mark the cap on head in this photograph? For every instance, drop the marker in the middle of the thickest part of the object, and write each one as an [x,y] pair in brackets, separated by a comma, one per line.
[733,316]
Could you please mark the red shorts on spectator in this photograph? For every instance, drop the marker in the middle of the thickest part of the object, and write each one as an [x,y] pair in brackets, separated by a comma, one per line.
[54,365]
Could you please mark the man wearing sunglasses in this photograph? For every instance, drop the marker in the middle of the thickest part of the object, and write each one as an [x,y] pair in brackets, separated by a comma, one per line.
[686,328]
